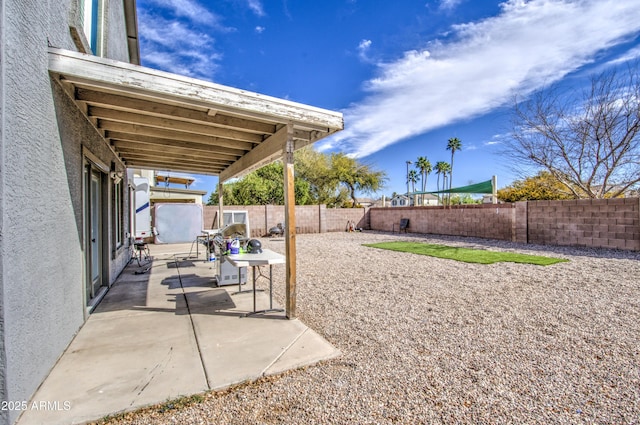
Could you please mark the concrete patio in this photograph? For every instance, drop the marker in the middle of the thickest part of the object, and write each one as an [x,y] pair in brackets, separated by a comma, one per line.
[167,333]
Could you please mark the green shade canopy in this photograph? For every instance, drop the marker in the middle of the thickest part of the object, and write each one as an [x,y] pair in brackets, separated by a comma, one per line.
[483,187]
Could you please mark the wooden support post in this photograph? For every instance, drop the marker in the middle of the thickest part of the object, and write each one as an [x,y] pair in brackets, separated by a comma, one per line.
[220,206]
[494,189]
[290,224]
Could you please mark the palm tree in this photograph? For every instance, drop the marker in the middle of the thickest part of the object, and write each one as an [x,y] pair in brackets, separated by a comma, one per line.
[441,168]
[413,179]
[446,174]
[425,168]
[454,144]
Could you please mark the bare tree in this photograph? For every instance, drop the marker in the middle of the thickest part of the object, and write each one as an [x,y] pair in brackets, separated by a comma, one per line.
[589,142]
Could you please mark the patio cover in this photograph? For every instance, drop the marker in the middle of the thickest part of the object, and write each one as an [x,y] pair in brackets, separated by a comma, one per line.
[163,121]
[157,120]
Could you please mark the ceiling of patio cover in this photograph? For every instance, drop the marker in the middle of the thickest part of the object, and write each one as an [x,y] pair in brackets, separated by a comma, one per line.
[162,121]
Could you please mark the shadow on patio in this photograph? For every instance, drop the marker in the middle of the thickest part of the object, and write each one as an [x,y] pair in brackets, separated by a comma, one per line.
[166,333]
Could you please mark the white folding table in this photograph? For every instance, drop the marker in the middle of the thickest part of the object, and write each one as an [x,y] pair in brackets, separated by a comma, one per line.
[264,258]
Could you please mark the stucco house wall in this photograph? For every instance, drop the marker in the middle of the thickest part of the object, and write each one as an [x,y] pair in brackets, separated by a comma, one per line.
[42,272]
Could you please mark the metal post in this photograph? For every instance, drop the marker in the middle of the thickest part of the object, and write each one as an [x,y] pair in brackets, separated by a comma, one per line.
[408,197]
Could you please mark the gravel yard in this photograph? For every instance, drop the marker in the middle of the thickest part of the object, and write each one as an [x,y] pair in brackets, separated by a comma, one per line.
[427,340]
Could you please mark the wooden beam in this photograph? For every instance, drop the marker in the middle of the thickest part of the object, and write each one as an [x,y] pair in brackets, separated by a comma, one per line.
[162,133]
[124,148]
[175,125]
[169,161]
[177,167]
[148,142]
[290,224]
[175,110]
[262,154]
[172,159]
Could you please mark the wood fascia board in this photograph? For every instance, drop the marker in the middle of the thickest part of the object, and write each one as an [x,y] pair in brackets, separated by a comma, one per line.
[97,70]
[261,154]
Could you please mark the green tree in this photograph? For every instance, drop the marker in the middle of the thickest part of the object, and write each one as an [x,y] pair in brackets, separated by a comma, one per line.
[227,194]
[454,144]
[542,186]
[320,178]
[315,168]
[356,176]
[465,199]
[265,186]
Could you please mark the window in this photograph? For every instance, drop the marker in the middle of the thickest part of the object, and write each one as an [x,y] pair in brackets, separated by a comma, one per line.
[117,218]
[92,18]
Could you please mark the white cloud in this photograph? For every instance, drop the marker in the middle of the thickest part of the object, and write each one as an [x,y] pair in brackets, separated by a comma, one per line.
[260,29]
[172,34]
[449,4]
[631,55]
[189,9]
[529,44]
[363,49]
[256,7]
[175,48]
[179,45]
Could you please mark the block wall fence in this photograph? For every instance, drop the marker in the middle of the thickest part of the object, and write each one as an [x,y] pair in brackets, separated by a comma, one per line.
[598,223]
[309,218]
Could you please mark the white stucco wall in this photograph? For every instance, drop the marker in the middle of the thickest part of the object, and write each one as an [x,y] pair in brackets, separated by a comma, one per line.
[41,138]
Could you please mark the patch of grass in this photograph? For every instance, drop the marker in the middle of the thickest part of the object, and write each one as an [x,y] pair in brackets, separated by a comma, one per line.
[179,403]
[467,255]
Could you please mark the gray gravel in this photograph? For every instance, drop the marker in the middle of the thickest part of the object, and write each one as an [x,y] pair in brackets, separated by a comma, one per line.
[428,340]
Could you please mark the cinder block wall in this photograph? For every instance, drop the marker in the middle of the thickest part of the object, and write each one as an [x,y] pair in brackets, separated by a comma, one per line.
[337,218]
[599,223]
[309,218]
[482,221]
[604,223]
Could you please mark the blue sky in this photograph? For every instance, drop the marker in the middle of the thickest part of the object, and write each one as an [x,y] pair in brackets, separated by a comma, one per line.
[407,74]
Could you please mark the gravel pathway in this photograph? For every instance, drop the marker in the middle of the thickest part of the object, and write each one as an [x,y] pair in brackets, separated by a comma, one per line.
[427,340]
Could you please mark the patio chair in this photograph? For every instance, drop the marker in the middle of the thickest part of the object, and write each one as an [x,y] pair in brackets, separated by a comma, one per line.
[140,251]
[403,225]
